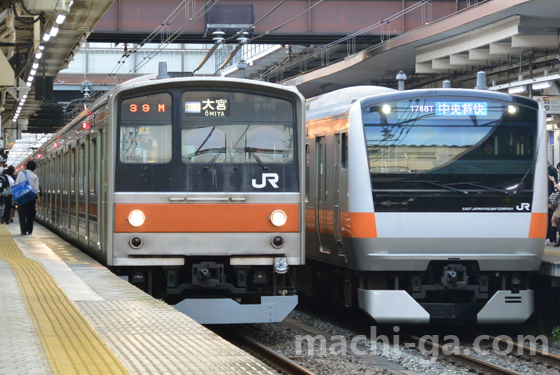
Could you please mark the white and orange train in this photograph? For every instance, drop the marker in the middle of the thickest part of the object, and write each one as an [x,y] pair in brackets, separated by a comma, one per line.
[192,188]
[425,206]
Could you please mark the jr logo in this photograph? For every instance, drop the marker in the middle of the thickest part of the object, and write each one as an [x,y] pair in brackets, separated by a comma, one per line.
[523,207]
[270,177]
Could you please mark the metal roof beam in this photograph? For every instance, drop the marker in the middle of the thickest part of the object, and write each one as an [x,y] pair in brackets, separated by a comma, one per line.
[503,48]
[463,59]
[532,41]
[477,38]
[484,54]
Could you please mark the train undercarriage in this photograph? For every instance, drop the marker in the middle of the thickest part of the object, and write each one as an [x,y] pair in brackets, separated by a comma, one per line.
[445,293]
[213,291]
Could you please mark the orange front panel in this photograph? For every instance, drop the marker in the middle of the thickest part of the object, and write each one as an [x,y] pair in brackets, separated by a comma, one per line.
[216,218]
[539,225]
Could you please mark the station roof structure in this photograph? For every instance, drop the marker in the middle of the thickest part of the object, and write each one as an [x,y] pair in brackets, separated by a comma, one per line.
[490,36]
[27,57]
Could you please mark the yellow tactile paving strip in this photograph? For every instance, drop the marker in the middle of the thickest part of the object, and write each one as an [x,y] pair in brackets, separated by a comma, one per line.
[71,344]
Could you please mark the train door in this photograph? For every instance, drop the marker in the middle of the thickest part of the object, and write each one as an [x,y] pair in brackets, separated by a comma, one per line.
[82,201]
[67,170]
[92,191]
[339,139]
[74,192]
[102,195]
[321,208]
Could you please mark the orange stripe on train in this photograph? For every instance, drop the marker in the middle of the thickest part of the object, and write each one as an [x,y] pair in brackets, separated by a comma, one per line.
[539,225]
[353,224]
[206,218]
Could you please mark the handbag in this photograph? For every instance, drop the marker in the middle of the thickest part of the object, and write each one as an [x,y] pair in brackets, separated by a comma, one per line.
[23,192]
[554,198]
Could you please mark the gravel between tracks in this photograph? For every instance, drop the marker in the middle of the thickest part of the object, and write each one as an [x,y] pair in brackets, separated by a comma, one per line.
[283,340]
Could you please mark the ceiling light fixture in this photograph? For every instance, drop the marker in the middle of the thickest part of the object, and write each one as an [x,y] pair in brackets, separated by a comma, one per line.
[517,89]
[542,85]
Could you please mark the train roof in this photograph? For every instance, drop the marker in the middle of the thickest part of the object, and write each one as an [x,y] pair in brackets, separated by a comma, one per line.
[339,101]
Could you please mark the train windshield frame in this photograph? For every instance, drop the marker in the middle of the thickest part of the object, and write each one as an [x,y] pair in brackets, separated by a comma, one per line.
[234,127]
[460,147]
[175,161]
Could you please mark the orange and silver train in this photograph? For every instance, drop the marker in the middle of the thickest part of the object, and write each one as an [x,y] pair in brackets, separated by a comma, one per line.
[426,206]
[191,188]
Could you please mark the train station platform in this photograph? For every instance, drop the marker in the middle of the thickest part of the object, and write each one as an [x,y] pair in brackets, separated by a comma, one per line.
[61,312]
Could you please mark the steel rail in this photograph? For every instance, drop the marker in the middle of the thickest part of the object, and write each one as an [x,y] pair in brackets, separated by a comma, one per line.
[470,362]
[544,358]
[276,359]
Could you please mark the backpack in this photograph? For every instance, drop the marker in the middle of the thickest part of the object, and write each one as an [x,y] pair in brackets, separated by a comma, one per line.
[4,184]
[6,190]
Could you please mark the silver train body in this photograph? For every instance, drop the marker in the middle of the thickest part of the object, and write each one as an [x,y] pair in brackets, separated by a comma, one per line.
[189,187]
[425,206]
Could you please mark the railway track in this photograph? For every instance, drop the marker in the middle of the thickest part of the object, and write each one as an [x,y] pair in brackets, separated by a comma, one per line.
[472,364]
[536,356]
[276,359]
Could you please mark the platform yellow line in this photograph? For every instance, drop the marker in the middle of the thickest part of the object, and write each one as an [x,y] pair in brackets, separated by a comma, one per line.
[70,342]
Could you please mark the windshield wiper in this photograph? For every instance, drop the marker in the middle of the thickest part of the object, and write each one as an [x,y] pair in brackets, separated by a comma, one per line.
[443,186]
[523,179]
[223,149]
[479,186]
[253,154]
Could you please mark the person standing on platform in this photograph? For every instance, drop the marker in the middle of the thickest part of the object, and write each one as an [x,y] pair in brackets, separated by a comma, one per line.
[8,202]
[26,212]
[552,229]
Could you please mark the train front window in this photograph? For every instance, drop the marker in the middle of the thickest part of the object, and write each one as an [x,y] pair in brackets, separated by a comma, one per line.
[145,129]
[462,143]
[235,127]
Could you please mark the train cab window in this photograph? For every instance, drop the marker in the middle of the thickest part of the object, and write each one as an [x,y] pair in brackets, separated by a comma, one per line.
[145,129]
[235,127]
[344,151]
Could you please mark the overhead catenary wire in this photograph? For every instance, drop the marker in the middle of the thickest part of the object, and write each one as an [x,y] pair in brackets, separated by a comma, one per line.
[229,58]
[159,29]
[176,34]
[211,52]
[326,47]
[272,30]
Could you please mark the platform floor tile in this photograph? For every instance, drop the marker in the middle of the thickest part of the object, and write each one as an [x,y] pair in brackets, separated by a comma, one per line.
[146,335]
[70,343]
[152,337]
[20,349]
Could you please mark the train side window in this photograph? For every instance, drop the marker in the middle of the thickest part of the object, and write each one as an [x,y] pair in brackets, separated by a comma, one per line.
[145,129]
[72,171]
[344,151]
[92,166]
[82,168]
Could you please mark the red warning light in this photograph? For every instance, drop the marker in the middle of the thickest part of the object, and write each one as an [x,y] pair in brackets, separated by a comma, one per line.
[17,169]
[55,145]
[85,125]
[39,156]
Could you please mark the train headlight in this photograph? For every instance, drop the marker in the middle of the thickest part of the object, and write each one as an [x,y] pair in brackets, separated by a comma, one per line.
[278,218]
[512,109]
[136,218]
[386,109]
